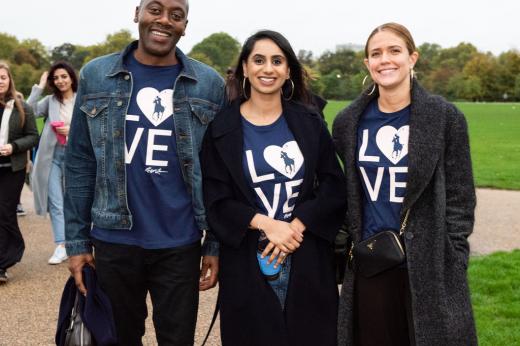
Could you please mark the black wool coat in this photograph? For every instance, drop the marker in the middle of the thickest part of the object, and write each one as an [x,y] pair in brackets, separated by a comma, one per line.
[441,197]
[250,311]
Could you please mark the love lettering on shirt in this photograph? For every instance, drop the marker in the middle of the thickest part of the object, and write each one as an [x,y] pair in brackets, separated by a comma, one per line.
[286,160]
[156,107]
[393,144]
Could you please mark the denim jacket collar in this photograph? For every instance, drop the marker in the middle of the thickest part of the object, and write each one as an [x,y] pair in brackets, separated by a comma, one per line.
[119,65]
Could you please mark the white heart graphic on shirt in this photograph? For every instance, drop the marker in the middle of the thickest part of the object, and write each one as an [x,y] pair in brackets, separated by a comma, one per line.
[393,143]
[156,106]
[287,159]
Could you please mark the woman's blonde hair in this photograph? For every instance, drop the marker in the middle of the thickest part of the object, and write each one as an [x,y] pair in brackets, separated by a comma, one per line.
[11,93]
[399,30]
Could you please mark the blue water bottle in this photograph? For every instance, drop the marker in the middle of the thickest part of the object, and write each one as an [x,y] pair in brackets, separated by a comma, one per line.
[270,272]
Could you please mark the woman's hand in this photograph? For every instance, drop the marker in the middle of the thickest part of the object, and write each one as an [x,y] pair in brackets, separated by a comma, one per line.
[282,235]
[43,80]
[63,130]
[6,150]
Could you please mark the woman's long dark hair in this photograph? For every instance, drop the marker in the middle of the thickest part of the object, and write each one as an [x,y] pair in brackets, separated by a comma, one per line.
[298,73]
[50,78]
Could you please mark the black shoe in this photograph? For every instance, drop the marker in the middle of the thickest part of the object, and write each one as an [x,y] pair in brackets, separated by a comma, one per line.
[3,276]
[20,211]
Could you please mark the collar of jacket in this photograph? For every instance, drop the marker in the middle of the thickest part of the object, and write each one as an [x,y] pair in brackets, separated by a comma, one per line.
[119,65]
[230,118]
[424,124]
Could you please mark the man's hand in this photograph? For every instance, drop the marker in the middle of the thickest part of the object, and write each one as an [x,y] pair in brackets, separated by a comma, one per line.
[76,264]
[208,280]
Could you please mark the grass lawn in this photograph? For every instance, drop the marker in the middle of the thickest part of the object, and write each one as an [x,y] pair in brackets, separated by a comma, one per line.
[494,130]
[495,292]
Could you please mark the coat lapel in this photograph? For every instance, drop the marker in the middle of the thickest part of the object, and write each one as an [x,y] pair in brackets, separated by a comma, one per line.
[424,146]
[229,142]
[355,192]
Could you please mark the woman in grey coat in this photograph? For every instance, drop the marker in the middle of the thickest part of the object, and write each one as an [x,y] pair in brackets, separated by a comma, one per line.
[47,179]
[405,150]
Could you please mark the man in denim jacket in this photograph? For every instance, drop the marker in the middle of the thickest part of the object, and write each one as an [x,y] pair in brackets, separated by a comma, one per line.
[133,180]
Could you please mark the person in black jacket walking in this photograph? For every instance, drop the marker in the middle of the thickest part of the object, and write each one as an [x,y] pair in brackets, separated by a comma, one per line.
[274,192]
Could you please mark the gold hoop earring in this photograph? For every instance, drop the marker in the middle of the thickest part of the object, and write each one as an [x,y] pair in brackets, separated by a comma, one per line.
[373,86]
[244,88]
[292,91]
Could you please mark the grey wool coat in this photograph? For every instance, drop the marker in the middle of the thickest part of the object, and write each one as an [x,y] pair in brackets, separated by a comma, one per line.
[49,108]
[441,197]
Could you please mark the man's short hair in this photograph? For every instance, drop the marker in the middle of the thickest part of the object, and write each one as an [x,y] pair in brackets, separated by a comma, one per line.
[187,4]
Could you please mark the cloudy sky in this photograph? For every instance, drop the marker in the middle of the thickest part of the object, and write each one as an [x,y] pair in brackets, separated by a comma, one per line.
[317,25]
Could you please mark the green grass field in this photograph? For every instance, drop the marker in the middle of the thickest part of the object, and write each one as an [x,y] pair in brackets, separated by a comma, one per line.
[495,293]
[494,130]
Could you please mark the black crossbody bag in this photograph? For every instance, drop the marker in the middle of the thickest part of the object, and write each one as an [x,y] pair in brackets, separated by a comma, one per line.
[382,251]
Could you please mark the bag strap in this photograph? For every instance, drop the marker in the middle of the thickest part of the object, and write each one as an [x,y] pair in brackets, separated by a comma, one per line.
[403,225]
[213,319]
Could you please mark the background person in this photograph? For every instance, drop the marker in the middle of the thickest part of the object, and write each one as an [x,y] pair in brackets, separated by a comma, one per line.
[261,159]
[48,171]
[18,134]
[406,150]
[134,186]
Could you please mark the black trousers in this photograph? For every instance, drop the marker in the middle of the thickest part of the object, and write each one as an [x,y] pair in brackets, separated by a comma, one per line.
[171,276]
[382,310]
[11,241]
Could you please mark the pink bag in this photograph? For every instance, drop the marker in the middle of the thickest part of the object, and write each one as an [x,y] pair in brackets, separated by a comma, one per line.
[62,139]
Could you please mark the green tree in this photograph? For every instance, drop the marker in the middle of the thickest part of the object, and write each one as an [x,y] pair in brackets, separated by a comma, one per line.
[343,61]
[485,68]
[74,55]
[113,43]
[517,87]
[8,46]
[25,77]
[38,51]
[507,72]
[220,48]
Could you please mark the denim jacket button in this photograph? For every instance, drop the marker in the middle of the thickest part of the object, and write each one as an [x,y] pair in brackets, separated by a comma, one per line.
[127,77]
[408,235]
[93,111]
[119,103]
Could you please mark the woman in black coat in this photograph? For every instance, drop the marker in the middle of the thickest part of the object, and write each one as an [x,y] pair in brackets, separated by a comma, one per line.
[406,150]
[272,181]
[18,134]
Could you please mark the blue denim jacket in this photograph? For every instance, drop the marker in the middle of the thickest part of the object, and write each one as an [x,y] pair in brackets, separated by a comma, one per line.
[95,172]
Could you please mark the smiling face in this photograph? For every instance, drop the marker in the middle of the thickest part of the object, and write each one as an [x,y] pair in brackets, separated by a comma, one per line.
[4,82]
[266,68]
[389,62]
[161,24]
[62,80]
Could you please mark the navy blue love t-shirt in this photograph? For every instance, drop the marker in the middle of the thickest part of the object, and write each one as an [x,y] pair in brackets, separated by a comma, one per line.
[161,207]
[382,160]
[274,167]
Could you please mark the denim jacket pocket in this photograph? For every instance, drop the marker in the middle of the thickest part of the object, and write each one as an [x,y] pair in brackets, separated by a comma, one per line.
[94,106]
[203,113]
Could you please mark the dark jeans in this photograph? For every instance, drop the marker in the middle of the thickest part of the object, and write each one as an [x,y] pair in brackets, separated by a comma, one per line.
[127,273]
[11,241]
[382,310]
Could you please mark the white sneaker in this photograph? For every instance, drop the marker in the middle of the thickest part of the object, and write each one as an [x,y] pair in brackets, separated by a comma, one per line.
[59,255]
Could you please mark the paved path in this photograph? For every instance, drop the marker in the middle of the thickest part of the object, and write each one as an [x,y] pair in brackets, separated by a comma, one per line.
[29,302]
